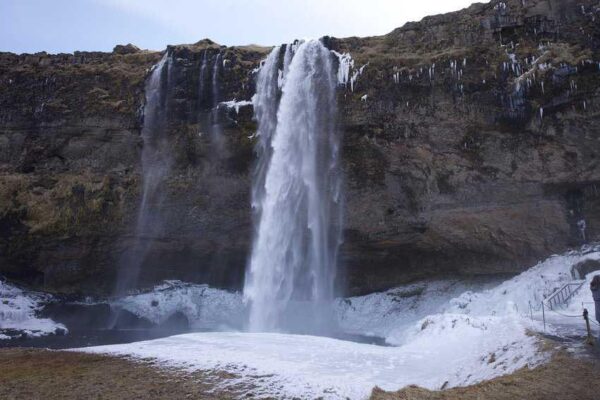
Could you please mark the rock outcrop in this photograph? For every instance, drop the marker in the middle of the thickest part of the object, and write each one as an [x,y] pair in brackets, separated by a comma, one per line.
[470,147]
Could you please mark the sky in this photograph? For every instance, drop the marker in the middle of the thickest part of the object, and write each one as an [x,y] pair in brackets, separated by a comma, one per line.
[28,26]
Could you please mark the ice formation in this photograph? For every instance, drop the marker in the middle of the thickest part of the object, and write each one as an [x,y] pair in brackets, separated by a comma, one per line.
[19,313]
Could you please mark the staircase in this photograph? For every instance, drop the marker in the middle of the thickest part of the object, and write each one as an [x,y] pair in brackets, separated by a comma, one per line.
[561,296]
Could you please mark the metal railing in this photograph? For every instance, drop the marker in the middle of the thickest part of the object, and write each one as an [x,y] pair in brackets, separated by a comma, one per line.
[564,294]
[559,297]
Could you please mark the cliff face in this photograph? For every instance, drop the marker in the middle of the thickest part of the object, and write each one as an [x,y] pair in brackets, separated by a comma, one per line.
[470,147]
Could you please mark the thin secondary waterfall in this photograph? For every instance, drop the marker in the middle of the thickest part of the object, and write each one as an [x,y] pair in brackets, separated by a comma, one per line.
[202,77]
[215,80]
[156,164]
[290,279]
[215,126]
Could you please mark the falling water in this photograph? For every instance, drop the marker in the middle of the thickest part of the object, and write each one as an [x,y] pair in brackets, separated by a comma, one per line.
[215,80]
[265,104]
[202,77]
[290,281]
[215,126]
[156,163]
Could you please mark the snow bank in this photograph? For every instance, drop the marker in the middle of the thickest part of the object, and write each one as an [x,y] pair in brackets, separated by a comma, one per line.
[392,314]
[445,332]
[204,307]
[18,313]
[583,298]
[387,313]
[307,367]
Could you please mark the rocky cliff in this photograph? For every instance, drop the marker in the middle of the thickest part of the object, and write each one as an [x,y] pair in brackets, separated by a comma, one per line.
[470,147]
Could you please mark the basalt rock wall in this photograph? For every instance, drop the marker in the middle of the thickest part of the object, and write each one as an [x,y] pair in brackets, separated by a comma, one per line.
[470,146]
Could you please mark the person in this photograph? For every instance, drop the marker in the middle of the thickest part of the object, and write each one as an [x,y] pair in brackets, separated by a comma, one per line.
[595,288]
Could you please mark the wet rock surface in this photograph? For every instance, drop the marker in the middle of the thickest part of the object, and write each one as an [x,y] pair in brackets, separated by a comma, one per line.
[470,146]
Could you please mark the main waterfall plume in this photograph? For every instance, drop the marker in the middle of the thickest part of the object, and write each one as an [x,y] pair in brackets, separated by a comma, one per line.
[296,194]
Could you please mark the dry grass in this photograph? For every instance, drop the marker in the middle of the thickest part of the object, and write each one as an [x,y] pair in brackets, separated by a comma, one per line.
[41,374]
[563,378]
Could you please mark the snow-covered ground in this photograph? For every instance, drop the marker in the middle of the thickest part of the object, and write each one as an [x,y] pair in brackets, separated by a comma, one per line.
[388,314]
[295,366]
[443,332]
[18,313]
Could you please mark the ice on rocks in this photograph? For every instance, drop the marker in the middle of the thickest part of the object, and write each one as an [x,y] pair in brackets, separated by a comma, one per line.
[19,313]
[442,331]
[204,307]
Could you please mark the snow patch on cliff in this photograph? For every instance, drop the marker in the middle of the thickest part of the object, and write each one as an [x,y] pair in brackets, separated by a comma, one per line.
[236,105]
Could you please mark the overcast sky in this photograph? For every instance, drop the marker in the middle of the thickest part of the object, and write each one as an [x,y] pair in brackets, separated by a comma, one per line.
[68,25]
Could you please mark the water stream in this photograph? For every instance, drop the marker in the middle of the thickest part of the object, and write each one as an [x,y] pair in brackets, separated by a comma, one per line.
[290,279]
[156,164]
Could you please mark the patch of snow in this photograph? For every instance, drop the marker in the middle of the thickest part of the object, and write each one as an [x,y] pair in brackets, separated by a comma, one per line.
[236,104]
[18,313]
[204,307]
[391,312]
[582,299]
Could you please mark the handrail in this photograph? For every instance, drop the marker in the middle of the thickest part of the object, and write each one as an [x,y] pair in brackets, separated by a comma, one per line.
[564,294]
[560,296]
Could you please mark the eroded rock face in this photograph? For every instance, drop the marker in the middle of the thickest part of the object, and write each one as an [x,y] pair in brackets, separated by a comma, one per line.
[470,147]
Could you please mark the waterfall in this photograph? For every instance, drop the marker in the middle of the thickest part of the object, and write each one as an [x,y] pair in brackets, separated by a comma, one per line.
[215,80]
[215,125]
[156,164]
[202,78]
[290,278]
[265,102]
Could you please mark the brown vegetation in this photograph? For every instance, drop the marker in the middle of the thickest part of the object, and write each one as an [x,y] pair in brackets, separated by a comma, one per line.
[563,378]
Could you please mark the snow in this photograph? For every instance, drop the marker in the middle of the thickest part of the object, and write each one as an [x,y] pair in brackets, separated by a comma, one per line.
[582,299]
[449,332]
[389,313]
[306,367]
[18,313]
[236,104]
[204,307]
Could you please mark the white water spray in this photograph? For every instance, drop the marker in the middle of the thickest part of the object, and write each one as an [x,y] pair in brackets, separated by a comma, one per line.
[290,281]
